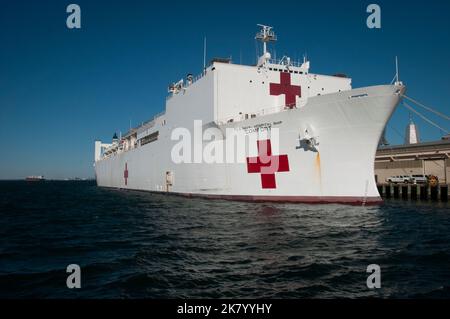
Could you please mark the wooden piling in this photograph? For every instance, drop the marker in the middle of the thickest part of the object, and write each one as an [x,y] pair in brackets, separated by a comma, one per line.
[444,193]
[434,193]
[423,192]
[396,191]
[405,191]
[388,191]
[414,192]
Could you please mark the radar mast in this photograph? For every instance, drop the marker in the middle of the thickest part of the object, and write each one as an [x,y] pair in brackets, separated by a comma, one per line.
[265,35]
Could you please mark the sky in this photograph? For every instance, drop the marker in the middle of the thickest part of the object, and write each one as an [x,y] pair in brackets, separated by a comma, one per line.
[61,89]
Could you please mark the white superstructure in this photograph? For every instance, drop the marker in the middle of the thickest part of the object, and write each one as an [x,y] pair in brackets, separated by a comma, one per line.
[311,137]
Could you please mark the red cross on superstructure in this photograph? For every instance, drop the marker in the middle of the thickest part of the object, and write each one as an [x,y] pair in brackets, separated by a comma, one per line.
[285,87]
[267,164]
[125,174]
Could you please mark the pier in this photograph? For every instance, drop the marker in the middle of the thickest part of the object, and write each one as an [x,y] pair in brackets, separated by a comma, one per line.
[422,159]
[414,191]
[429,158]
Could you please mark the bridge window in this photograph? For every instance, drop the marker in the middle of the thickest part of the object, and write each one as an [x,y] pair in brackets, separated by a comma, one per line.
[149,138]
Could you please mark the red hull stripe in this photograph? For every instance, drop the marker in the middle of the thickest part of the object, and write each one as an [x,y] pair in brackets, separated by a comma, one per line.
[348,200]
[352,200]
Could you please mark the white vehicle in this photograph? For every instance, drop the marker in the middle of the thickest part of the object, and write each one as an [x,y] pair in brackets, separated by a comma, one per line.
[399,179]
[419,179]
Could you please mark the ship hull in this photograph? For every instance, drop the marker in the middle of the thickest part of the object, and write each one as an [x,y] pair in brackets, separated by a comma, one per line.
[339,169]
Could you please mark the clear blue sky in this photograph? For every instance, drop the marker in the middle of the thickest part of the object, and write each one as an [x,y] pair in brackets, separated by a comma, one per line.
[61,89]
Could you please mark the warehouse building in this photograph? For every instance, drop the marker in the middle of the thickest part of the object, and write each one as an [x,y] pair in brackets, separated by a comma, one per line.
[429,158]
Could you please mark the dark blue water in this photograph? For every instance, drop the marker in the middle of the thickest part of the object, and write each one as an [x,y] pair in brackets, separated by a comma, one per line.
[132,244]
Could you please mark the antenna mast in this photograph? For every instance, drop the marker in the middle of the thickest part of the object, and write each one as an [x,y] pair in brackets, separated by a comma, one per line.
[396,67]
[204,54]
[397,77]
[265,35]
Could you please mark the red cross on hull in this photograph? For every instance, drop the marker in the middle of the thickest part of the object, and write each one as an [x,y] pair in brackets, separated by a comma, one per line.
[267,164]
[285,87]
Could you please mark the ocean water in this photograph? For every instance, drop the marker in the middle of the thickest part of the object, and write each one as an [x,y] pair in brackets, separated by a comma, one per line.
[142,245]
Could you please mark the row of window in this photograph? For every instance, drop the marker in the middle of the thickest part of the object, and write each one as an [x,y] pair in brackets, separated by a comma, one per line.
[149,138]
[286,71]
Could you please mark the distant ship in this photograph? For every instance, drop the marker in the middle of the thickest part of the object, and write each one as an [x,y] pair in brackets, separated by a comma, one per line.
[314,137]
[35,178]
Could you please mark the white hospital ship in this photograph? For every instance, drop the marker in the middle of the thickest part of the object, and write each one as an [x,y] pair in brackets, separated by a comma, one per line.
[311,137]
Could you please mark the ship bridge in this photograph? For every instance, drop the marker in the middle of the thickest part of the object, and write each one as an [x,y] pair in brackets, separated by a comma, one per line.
[226,92]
